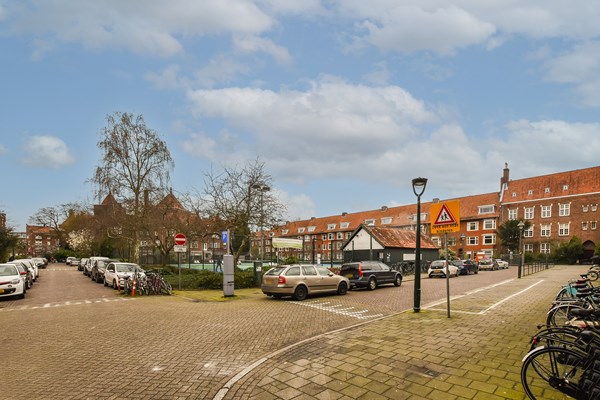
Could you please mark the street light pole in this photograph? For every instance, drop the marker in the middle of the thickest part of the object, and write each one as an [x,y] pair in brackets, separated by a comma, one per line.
[418,185]
[520,225]
[314,239]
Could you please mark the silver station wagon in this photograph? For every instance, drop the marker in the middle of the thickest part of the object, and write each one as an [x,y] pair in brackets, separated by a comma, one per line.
[300,281]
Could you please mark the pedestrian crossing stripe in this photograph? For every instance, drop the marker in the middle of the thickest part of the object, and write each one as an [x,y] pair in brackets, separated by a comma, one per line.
[445,217]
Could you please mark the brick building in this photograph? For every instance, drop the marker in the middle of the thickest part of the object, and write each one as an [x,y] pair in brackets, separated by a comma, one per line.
[41,240]
[559,206]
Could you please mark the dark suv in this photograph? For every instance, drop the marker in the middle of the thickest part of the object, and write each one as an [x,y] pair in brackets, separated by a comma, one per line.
[370,274]
[466,267]
[98,269]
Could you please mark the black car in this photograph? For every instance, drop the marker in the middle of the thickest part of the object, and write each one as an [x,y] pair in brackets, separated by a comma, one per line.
[98,270]
[466,267]
[370,274]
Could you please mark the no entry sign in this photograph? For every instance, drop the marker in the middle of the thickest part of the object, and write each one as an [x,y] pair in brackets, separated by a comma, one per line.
[180,239]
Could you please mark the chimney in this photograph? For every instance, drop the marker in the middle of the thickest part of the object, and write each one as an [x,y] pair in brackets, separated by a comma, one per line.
[505,178]
[344,214]
[384,208]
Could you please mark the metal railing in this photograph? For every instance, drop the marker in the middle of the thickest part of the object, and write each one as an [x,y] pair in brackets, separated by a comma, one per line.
[534,267]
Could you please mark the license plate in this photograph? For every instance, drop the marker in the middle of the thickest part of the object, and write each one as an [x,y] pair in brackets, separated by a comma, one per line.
[349,275]
[2,291]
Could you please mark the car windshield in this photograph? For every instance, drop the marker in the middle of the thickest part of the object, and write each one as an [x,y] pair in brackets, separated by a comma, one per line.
[486,261]
[438,264]
[7,270]
[127,267]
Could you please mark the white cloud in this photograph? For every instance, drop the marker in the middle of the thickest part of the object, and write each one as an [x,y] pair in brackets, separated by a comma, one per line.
[253,44]
[46,151]
[581,67]
[299,206]
[142,26]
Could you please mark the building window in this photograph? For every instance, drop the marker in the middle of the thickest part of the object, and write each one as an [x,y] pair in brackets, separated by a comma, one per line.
[593,225]
[584,226]
[437,241]
[584,208]
[545,248]
[490,209]
[344,225]
[528,232]
[330,236]
[284,231]
[547,190]
[369,222]
[324,237]
[307,238]
[565,188]
[514,194]
[594,207]
[330,227]
[489,224]
[451,241]
[312,228]
[529,214]
[530,192]
[563,229]
[340,235]
[489,239]
[473,226]
[545,230]
[512,214]
[528,248]
[472,241]
[348,234]
[386,221]
[546,211]
[564,210]
[301,230]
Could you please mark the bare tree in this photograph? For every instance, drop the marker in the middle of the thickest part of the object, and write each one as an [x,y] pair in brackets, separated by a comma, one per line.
[135,168]
[53,217]
[239,199]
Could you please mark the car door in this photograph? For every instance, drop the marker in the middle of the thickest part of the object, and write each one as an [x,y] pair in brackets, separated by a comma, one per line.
[313,280]
[386,274]
[110,273]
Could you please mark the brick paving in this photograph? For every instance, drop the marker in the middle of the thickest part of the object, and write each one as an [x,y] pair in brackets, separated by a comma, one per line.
[474,354]
[81,344]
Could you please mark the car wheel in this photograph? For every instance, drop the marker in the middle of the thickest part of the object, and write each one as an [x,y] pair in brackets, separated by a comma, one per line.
[300,293]
[398,280]
[114,284]
[342,288]
[429,276]
[372,284]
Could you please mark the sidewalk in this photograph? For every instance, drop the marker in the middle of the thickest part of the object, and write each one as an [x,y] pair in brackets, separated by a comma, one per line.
[475,354]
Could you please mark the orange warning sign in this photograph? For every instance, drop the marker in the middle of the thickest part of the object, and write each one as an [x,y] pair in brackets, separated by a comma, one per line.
[445,217]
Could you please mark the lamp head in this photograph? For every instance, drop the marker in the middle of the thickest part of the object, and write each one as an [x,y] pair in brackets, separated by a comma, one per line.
[418,185]
[521,225]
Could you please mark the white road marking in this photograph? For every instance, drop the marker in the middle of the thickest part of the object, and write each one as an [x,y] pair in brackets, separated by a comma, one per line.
[64,304]
[335,308]
[430,306]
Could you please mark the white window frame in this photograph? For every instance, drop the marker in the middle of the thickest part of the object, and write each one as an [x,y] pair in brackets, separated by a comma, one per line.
[487,209]
[472,240]
[473,226]
[488,239]
[369,222]
[528,232]
[594,207]
[489,224]
[529,212]
[344,225]
[437,241]
[340,235]
[563,229]
[284,231]
[584,226]
[564,210]
[545,248]
[331,227]
[312,228]
[546,211]
[330,236]
[513,214]
[593,225]
[386,220]
[565,188]
[528,247]
[301,230]
[585,208]
[545,230]
[547,190]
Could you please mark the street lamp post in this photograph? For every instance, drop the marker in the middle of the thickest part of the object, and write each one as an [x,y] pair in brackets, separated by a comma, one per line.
[418,185]
[520,225]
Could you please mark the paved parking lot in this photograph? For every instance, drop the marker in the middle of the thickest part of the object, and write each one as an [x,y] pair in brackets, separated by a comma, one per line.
[88,342]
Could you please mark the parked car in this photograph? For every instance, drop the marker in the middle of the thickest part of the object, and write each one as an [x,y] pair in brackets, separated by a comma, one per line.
[76,262]
[117,273]
[370,274]
[87,270]
[28,276]
[439,268]
[466,267]
[40,262]
[11,281]
[82,264]
[300,281]
[69,259]
[502,264]
[98,269]
[488,264]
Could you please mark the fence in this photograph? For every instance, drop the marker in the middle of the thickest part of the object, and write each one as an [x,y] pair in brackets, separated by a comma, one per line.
[534,267]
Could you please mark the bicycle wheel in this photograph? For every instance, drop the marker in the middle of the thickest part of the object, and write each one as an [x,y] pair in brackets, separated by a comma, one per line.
[166,288]
[552,373]
[560,314]
[593,275]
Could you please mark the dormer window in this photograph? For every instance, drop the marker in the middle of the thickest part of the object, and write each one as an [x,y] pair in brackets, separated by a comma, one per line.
[514,194]
[369,222]
[331,227]
[530,192]
[284,231]
[547,190]
[386,221]
[565,188]
[344,225]
[301,230]
[311,228]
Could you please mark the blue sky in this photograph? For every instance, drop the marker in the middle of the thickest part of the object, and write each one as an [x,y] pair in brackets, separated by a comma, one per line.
[345,101]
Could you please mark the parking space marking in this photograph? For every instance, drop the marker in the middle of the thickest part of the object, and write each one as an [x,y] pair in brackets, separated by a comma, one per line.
[335,308]
[432,305]
[64,304]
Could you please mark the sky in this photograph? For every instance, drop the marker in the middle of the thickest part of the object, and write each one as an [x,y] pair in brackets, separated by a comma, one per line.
[346,101]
